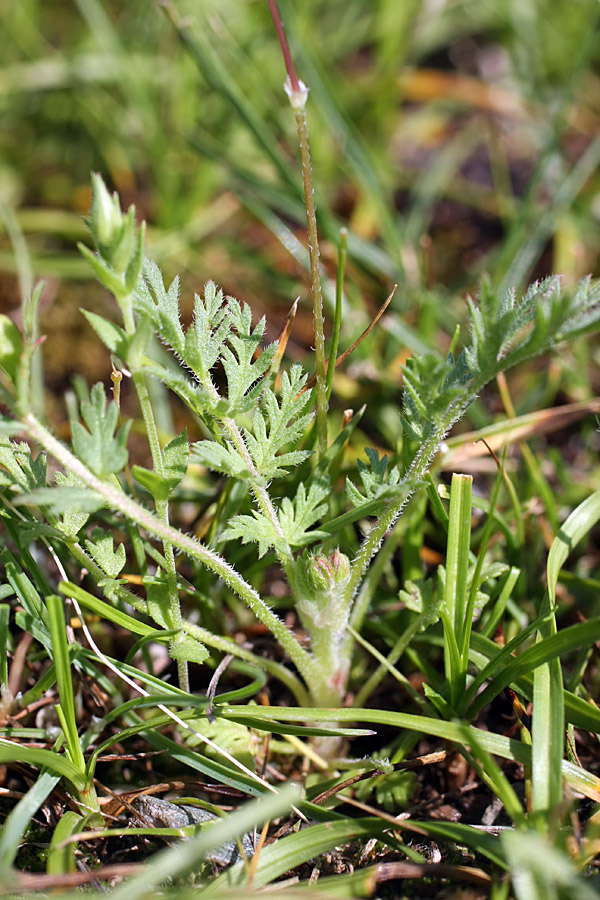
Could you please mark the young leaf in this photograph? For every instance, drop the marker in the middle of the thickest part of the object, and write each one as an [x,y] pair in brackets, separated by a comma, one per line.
[11,344]
[175,459]
[189,650]
[255,527]
[73,519]
[101,549]
[161,305]
[279,422]
[373,478]
[111,335]
[103,451]
[237,355]
[220,458]
[21,469]
[297,517]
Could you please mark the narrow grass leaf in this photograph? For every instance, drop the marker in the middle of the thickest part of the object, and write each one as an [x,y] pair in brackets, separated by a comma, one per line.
[36,756]
[295,849]
[576,526]
[61,853]
[19,818]
[108,612]
[456,624]
[62,663]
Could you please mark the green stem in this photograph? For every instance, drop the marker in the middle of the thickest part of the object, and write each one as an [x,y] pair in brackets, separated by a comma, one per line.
[412,480]
[298,97]
[129,508]
[337,318]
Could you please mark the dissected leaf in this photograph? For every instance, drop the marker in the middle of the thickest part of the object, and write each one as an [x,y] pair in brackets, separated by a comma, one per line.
[373,477]
[98,446]
[297,517]
[101,548]
[252,528]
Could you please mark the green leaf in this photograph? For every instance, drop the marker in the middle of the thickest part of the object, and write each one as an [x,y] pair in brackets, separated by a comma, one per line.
[157,594]
[175,459]
[136,260]
[21,816]
[98,446]
[24,471]
[249,528]
[11,344]
[183,858]
[422,597]
[238,354]
[541,870]
[296,518]
[59,764]
[61,853]
[279,422]
[162,305]
[577,525]
[60,500]
[373,477]
[231,736]
[220,458]
[111,335]
[101,548]
[73,518]
[104,272]
[291,851]
[193,395]
[189,650]
[154,483]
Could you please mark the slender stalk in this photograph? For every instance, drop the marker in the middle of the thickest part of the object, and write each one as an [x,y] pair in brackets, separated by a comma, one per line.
[337,318]
[412,479]
[298,103]
[298,94]
[129,508]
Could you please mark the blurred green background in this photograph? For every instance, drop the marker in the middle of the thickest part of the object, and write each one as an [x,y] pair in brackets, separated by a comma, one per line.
[451,137]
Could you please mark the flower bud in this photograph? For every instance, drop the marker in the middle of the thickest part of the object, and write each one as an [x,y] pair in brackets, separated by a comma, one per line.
[327,573]
[106,220]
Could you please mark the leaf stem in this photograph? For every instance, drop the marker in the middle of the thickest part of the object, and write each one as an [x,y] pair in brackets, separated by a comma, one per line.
[129,508]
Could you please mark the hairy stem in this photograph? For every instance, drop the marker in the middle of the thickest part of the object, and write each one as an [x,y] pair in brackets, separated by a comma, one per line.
[298,99]
[417,471]
[129,508]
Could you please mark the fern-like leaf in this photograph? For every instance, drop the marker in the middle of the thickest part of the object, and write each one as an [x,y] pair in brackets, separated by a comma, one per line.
[279,422]
[98,446]
[254,528]
[373,477]
[162,305]
[296,518]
